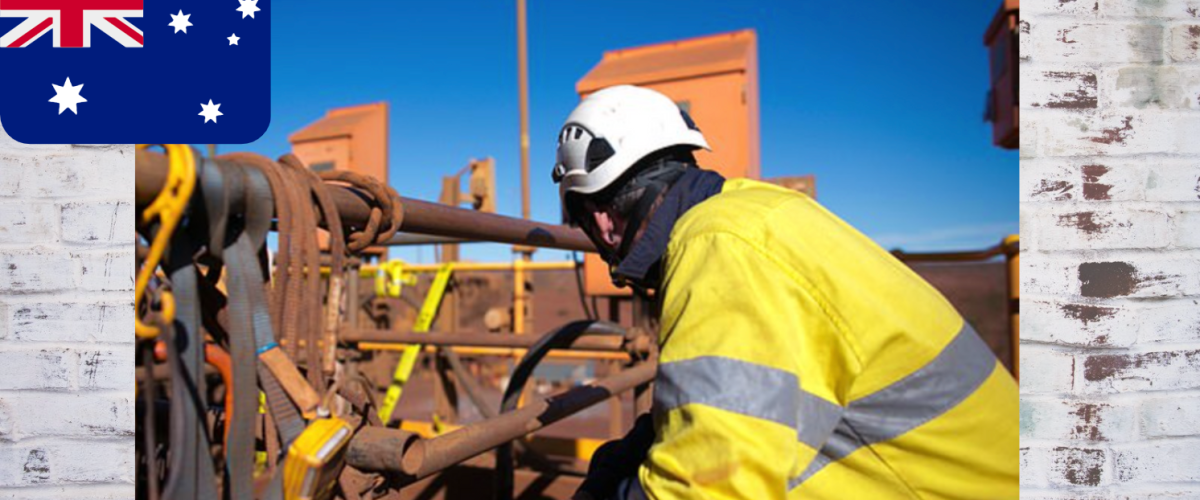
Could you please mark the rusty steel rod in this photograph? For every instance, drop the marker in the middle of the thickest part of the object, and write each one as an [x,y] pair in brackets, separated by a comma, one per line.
[421,217]
[523,103]
[444,339]
[420,458]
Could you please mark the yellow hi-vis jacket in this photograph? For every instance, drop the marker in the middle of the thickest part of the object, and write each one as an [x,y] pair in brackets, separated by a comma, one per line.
[800,360]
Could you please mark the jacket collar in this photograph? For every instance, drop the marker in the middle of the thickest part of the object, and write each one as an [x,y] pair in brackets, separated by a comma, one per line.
[642,266]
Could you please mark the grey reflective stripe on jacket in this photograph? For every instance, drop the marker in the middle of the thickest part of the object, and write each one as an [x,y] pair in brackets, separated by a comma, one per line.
[775,395]
[729,384]
[956,373]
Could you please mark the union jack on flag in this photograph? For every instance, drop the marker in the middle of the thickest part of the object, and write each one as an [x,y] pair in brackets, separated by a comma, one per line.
[70,21]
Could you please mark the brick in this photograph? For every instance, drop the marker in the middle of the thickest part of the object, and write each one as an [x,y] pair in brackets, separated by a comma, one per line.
[1034,465]
[1105,181]
[1184,43]
[1157,462]
[1028,137]
[1075,467]
[1045,371]
[1110,133]
[1064,41]
[1174,183]
[1058,180]
[1174,321]
[43,368]
[39,269]
[1078,324]
[1187,229]
[106,270]
[28,223]
[1150,371]
[1143,277]
[1025,228]
[69,322]
[1057,420]
[106,369]
[1042,274]
[65,462]
[1074,8]
[1170,417]
[98,222]
[1154,87]
[1155,9]
[1076,228]
[1049,181]
[59,174]
[1058,89]
[73,414]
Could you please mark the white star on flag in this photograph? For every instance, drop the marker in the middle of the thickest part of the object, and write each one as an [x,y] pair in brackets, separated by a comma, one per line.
[180,21]
[248,8]
[210,111]
[67,96]
[233,39]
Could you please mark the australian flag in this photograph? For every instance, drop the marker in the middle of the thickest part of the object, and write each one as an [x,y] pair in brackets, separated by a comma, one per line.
[135,71]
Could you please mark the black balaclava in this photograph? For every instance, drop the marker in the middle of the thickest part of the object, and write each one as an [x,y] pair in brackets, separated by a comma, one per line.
[633,195]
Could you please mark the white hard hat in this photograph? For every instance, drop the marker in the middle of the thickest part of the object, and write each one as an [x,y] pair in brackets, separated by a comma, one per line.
[613,129]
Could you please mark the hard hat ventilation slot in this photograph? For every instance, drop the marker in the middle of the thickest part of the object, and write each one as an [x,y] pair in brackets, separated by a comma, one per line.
[597,152]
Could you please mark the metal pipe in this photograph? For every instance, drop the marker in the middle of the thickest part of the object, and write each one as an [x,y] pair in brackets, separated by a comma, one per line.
[421,458]
[508,352]
[379,448]
[523,104]
[604,343]
[950,256]
[419,216]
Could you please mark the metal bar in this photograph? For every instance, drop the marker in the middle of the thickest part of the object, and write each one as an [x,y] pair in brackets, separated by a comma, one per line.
[610,343]
[421,217]
[1012,246]
[421,458]
[523,103]
[508,352]
[950,256]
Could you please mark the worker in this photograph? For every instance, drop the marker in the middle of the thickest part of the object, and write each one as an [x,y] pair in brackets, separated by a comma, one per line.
[797,359]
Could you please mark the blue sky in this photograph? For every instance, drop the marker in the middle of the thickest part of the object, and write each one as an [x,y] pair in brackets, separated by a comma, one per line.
[883,101]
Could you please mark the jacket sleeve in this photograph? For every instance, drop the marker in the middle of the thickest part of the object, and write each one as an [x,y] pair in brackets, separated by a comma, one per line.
[726,398]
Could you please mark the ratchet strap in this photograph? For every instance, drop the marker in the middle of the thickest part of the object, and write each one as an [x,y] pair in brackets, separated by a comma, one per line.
[192,474]
[239,445]
[250,319]
[408,357]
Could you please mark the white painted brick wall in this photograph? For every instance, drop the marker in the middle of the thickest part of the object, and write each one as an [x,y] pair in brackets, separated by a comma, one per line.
[1110,227]
[66,316]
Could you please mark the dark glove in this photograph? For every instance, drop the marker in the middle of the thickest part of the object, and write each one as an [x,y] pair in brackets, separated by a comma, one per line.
[617,460]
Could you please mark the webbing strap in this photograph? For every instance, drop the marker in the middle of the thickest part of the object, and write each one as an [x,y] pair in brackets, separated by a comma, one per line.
[408,357]
[239,448]
[249,305]
[191,468]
